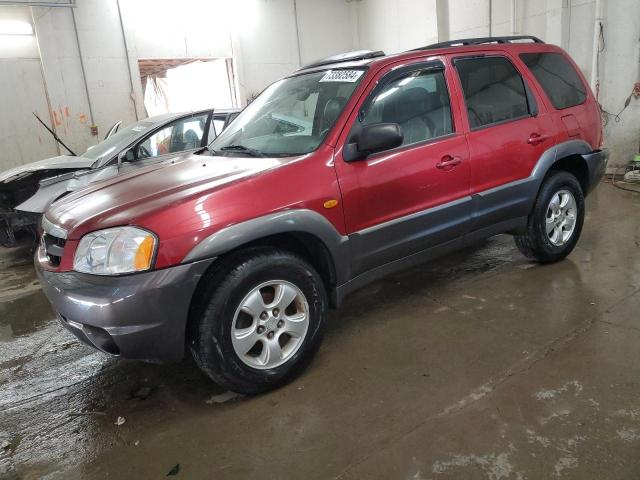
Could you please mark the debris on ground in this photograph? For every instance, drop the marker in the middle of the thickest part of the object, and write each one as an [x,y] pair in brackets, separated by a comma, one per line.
[174,471]
[142,393]
[221,398]
[120,421]
[5,445]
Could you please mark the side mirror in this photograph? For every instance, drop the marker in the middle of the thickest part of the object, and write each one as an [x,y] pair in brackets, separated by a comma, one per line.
[374,138]
[126,156]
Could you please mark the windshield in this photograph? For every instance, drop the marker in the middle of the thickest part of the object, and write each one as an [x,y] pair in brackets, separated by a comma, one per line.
[116,142]
[291,117]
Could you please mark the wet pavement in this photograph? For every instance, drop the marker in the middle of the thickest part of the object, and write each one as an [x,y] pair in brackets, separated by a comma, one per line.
[479,365]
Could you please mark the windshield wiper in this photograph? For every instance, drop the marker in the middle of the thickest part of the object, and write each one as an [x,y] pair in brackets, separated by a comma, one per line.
[243,149]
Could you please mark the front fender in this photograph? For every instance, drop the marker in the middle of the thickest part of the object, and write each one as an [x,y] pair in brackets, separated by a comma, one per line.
[287,221]
[45,196]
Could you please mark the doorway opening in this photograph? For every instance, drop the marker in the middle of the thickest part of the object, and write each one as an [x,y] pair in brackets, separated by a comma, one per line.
[173,85]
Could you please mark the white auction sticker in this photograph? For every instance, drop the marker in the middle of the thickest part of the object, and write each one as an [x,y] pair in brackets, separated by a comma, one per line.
[342,76]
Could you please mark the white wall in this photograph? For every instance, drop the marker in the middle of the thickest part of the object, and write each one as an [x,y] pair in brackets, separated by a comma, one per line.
[63,74]
[620,69]
[325,27]
[266,47]
[22,139]
[104,56]
[271,38]
[395,25]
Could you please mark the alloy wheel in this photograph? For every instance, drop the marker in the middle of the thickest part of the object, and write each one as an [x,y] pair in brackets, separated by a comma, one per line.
[270,324]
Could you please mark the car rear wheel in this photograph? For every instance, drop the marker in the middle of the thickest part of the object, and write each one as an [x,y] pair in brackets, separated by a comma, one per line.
[555,223]
[261,322]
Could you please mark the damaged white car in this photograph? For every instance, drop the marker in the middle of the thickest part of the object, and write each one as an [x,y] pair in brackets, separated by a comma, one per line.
[28,190]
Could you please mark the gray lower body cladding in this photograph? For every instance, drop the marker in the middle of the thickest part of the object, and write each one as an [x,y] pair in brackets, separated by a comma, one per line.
[596,164]
[141,316]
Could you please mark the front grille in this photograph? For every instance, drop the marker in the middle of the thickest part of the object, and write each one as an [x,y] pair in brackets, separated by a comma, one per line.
[53,247]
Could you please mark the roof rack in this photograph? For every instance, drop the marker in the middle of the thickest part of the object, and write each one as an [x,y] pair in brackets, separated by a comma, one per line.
[480,41]
[345,57]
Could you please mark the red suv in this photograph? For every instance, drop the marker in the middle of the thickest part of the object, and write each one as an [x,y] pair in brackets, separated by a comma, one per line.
[349,169]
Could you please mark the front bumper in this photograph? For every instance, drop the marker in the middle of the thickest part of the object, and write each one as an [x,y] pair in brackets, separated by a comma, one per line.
[141,316]
[596,164]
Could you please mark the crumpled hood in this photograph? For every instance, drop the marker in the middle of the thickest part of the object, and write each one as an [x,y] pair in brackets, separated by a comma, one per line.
[123,199]
[53,163]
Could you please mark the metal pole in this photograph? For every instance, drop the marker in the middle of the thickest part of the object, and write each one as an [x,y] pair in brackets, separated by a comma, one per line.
[490,15]
[84,73]
[44,78]
[71,4]
[596,48]
[295,15]
[126,53]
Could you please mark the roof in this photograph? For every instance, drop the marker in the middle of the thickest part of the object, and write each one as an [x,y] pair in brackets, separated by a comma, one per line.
[362,58]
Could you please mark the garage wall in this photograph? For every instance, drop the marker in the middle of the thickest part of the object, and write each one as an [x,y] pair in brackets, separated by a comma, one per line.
[63,74]
[270,38]
[570,24]
[395,25]
[619,70]
[22,91]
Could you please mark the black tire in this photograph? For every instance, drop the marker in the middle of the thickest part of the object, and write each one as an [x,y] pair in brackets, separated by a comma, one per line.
[216,306]
[535,243]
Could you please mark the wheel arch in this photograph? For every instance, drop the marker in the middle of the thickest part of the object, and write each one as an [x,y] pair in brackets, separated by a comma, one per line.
[303,232]
[577,166]
[566,156]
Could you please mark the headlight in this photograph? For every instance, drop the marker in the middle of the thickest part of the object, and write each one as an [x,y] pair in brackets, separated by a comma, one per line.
[115,251]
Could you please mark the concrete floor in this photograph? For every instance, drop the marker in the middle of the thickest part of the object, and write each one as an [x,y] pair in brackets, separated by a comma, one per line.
[480,365]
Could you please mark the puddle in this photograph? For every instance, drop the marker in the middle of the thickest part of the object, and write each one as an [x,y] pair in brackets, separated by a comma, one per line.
[24,315]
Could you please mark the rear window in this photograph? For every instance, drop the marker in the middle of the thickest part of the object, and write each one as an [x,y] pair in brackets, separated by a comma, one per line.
[557,77]
[493,90]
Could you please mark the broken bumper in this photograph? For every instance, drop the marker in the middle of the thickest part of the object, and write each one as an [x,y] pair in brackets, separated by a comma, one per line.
[141,316]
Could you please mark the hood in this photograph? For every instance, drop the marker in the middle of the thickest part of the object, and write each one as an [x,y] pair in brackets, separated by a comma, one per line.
[123,199]
[63,162]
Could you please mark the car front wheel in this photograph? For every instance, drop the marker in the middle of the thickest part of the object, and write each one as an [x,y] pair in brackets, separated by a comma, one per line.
[262,322]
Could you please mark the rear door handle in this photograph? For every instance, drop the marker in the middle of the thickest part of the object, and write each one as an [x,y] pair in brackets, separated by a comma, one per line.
[536,138]
[448,162]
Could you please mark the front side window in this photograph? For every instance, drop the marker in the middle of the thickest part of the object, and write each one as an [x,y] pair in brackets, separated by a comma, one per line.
[493,89]
[558,78]
[418,102]
[184,134]
[291,117]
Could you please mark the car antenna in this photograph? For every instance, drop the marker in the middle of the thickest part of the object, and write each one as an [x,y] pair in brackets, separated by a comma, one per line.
[57,139]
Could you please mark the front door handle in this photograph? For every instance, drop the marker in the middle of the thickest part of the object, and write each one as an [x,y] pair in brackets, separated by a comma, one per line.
[536,138]
[448,162]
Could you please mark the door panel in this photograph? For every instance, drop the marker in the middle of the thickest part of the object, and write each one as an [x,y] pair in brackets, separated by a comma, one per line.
[408,199]
[509,130]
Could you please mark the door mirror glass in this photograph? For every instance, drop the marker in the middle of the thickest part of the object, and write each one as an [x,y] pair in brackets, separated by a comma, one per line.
[379,137]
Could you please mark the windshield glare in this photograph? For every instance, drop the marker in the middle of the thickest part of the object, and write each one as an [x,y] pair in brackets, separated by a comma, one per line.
[112,145]
[292,116]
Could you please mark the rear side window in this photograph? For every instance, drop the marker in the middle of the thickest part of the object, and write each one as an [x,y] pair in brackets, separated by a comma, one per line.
[493,90]
[557,77]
